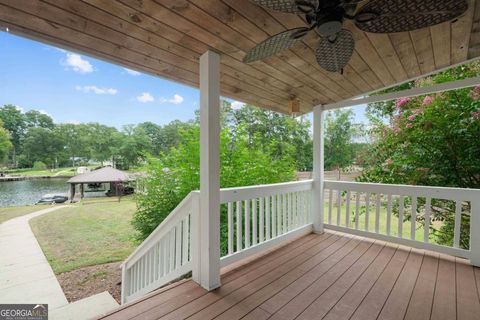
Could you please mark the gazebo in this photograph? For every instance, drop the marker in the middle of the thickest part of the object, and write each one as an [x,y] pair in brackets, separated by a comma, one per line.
[103,175]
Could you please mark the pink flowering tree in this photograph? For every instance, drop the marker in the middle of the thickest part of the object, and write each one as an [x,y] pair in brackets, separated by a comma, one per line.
[429,140]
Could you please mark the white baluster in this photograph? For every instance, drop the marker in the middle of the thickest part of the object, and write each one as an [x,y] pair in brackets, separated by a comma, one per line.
[262,220]
[230,227]
[254,222]
[347,211]
[413,225]
[458,224]
[239,226]
[330,204]
[426,230]
[247,223]
[357,210]
[377,213]
[389,214]
[267,216]
[400,216]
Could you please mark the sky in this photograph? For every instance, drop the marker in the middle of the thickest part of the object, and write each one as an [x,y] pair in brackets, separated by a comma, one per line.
[74,88]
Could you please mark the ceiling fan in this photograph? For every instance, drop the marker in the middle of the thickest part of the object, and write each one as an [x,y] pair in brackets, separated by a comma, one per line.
[336,44]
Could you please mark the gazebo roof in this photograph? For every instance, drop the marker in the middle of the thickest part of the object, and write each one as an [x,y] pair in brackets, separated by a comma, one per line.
[107,174]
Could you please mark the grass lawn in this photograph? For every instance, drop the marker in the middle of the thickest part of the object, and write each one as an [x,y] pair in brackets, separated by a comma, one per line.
[406,226]
[13,212]
[46,173]
[97,231]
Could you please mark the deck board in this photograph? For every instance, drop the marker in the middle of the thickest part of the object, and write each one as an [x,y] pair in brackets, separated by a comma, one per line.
[444,304]
[420,306]
[330,276]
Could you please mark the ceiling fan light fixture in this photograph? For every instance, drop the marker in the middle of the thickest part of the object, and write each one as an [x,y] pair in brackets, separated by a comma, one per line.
[333,56]
[330,28]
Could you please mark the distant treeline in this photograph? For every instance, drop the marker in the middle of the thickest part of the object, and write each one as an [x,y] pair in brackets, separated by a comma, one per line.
[31,137]
[34,137]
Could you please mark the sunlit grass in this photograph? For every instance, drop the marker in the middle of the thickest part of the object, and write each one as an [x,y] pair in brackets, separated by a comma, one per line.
[86,234]
[13,212]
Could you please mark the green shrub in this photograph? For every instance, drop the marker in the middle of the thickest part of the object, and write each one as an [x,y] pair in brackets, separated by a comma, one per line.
[39,165]
[172,177]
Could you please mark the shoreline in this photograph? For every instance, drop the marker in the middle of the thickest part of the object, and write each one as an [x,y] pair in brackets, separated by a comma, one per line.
[22,178]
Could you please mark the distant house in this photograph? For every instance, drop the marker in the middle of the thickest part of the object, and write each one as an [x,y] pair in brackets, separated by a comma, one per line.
[81,170]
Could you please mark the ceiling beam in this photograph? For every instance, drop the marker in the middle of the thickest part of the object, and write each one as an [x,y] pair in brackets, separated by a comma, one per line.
[414,92]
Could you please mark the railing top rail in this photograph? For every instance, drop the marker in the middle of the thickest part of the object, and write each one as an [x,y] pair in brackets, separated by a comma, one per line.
[250,192]
[160,230]
[444,193]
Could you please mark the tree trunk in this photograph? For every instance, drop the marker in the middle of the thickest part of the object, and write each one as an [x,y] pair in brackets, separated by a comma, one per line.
[14,157]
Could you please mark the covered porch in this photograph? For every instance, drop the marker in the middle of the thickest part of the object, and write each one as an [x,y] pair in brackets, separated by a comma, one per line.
[329,276]
[338,265]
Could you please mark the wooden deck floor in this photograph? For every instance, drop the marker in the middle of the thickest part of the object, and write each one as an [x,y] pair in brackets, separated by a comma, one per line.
[329,276]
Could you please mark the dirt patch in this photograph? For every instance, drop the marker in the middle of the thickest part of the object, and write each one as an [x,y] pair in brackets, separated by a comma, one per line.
[85,282]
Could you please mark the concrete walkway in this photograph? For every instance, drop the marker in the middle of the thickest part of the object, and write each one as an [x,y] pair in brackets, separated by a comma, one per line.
[25,274]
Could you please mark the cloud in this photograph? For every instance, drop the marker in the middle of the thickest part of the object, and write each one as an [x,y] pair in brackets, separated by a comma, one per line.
[132,72]
[177,99]
[76,63]
[237,105]
[97,90]
[45,113]
[145,97]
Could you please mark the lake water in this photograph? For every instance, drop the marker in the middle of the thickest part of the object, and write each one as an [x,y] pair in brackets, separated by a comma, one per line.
[26,192]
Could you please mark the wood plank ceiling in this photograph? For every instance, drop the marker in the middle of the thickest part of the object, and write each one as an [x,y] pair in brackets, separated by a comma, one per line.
[167,37]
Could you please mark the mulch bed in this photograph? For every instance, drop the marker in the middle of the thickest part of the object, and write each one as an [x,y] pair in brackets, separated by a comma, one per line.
[85,282]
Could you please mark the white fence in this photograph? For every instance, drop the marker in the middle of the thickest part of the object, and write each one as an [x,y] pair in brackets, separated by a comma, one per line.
[164,256]
[259,217]
[400,213]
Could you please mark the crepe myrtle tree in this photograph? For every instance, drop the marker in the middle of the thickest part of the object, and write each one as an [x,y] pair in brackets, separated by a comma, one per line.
[430,140]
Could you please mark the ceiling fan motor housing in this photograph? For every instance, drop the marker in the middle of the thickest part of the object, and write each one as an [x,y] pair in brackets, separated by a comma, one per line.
[329,20]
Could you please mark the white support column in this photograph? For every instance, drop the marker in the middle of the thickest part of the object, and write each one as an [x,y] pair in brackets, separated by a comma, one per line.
[209,219]
[475,233]
[318,169]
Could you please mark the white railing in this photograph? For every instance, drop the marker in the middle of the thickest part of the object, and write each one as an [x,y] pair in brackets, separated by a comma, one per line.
[164,256]
[400,213]
[259,217]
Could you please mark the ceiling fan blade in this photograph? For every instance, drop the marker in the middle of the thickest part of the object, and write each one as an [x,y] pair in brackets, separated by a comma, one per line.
[289,6]
[275,44]
[390,16]
[334,55]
